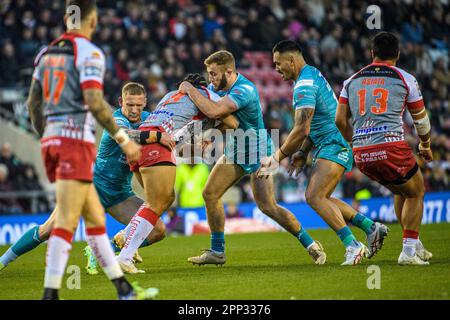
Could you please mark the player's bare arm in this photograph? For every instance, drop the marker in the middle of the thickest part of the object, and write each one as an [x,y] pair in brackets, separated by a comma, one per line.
[149,137]
[228,122]
[343,116]
[423,128]
[298,134]
[298,159]
[36,107]
[101,111]
[293,142]
[211,109]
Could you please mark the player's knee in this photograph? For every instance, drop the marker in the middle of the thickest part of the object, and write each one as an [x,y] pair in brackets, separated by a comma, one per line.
[209,196]
[267,208]
[312,198]
[160,232]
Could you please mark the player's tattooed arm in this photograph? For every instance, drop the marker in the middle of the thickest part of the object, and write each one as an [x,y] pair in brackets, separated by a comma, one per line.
[298,134]
[211,109]
[134,135]
[100,109]
[342,120]
[36,107]
[307,145]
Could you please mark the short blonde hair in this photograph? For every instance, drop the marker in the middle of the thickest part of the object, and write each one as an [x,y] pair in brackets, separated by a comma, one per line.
[222,58]
[133,88]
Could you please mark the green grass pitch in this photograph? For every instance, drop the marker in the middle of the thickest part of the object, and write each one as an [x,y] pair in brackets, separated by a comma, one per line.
[259,266]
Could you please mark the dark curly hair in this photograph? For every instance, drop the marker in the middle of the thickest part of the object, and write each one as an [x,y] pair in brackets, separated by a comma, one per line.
[196,79]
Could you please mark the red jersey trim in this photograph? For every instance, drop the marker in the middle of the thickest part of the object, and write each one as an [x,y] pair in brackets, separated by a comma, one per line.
[380,145]
[343,100]
[419,104]
[91,84]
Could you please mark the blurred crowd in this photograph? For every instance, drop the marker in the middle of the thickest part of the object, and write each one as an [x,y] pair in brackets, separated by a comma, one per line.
[16,175]
[158,42]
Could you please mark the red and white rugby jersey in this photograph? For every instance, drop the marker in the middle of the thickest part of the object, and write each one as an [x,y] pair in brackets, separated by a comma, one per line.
[68,65]
[377,96]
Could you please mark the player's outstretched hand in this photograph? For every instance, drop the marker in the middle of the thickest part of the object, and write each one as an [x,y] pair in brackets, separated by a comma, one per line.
[298,161]
[132,150]
[167,141]
[185,87]
[268,166]
[425,152]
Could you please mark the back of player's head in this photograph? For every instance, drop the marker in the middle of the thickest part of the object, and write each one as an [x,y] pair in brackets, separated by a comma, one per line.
[221,58]
[196,79]
[86,7]
[287,46]
[385,46]
[133,88]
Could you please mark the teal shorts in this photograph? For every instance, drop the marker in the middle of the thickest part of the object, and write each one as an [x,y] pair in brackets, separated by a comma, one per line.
[249,161]
[336,149]
[112,194]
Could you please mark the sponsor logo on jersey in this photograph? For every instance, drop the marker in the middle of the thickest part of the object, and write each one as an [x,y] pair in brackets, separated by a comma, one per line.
[370,130]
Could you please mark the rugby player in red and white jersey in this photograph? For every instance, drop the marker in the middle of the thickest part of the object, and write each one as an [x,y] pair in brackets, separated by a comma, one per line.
[375,99]
[66,95]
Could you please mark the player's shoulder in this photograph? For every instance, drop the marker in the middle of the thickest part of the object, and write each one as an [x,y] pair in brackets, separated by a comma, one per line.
[308,77]
[243,85]
[88,50]
[408,77]
[120,119]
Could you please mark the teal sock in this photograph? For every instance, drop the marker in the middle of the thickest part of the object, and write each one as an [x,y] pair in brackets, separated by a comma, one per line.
[27,242]
[218,241]
[146,243]
[347,237]
[116,249]
[114,246]
[363,223]
[304,238]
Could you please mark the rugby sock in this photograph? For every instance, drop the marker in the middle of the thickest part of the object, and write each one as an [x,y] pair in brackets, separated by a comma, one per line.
[7,257]
[347,237]
[218,242]
[146,243]
[141,226]
[410,239]
[304,238]
[27,242]
[99,243]
[58,250]
[362,222]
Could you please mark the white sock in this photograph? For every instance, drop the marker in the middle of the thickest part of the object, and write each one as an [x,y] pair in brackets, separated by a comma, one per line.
[409,246]
[101,247]
[140,228]
[8,257]
[58,251]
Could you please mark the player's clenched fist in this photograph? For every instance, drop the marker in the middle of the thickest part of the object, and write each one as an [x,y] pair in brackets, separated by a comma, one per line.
[132,150]
[425,152]
[167,141]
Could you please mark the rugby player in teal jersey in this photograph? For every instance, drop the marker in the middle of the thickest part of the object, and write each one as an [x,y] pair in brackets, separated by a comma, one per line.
[241,99]
[112,180]
[315,106]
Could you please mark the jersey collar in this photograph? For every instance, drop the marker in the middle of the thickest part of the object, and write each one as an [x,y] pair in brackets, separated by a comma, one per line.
[301,71]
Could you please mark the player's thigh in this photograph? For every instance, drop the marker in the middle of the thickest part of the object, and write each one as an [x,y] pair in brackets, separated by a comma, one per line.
[324,178]
[221,178]
[138,176]
[262,190]
[93,211]
[158,183]
[71,196]
[125,210]
[413,188]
